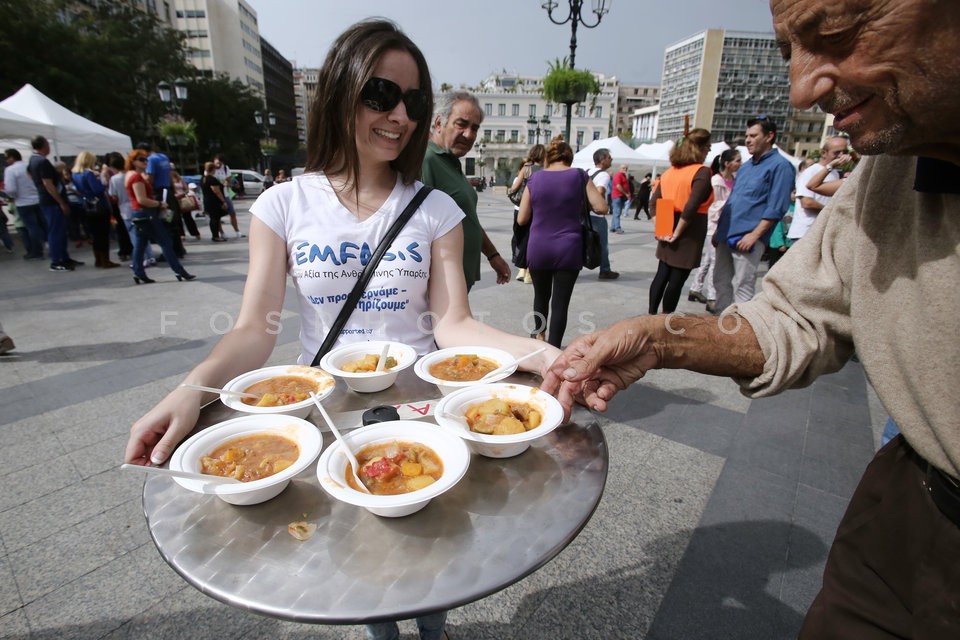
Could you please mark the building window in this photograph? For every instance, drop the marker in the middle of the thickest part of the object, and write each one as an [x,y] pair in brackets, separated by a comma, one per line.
[532,111]
[488,109]
[515,110]
[531,136]
[515,134]
[501,109]
[486,133]
[192,13]
[596,135]
[598,111]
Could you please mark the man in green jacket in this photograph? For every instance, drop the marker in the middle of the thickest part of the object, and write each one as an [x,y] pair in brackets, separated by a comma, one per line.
[454,131]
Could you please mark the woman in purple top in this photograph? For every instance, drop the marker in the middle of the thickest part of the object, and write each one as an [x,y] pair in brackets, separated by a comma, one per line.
[551,206]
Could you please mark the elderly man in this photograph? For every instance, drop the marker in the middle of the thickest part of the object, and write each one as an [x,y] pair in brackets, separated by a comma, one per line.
[454,131]
[877,271]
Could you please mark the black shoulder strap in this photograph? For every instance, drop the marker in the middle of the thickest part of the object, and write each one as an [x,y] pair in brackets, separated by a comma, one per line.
[368,270]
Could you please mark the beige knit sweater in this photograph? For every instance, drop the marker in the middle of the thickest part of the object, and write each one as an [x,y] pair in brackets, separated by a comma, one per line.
[880,271]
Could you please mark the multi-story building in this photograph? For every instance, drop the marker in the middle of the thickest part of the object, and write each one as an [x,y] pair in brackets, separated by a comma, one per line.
[718,79]
[222,38]
[304,85]
[631,97]
[280,100]
[516,117]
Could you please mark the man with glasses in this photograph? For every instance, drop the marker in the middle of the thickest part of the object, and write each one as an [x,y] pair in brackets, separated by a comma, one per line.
[809,204]
[454,131]
[758,200]
[877,270]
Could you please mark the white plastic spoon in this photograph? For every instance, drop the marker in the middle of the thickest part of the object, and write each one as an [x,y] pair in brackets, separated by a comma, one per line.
[202,477]
[226,392]
[354,465]
[382,362]
[515,362]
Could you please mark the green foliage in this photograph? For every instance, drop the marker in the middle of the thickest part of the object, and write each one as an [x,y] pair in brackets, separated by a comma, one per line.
[565,85]
[176,130]
[223,112]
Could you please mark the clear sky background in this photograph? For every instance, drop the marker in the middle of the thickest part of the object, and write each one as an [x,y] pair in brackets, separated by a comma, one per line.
[464,41]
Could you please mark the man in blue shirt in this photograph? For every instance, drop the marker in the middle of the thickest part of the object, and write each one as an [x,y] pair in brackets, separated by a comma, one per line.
[158,173]
[760,197]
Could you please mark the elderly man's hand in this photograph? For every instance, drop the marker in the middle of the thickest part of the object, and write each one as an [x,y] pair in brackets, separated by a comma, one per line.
[500,265]
[597,366]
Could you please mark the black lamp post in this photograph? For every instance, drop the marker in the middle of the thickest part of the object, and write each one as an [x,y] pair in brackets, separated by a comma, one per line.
[173,96]
[266,123]
[480,147]
[533,122]
[575,17]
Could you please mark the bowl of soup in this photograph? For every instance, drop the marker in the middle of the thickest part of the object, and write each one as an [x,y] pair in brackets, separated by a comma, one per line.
[458,367]
[261,452]
[357,364]
[283,389]
[499,420]
[404,463]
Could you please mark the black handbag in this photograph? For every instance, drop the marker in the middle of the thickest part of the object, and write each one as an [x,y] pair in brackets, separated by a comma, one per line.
[361,285]
[516,196]
[592,249]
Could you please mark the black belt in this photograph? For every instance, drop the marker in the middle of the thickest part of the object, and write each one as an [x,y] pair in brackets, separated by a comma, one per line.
[945,492]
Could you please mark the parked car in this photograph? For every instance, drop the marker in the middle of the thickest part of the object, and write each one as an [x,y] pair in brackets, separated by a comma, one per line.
[476,182]
[252,181]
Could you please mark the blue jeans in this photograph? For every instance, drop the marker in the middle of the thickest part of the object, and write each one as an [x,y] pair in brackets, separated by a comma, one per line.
[56,233]
[30,215]
[615,211]
[600,224]
[132,232]
[150,228]
[430,628]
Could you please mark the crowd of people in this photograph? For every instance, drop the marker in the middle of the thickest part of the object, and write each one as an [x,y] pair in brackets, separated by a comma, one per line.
[100,202]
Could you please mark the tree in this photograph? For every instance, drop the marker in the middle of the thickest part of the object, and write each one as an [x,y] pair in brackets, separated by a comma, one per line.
[102,62]
[223,111]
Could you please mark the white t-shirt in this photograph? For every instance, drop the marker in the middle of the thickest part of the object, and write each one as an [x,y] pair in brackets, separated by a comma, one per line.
[601,180]
[803,218]
[327,248]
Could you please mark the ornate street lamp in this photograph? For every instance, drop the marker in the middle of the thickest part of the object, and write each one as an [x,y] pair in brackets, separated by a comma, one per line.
[533,122]
[267,142]
[172,99]
[480,147]
[575,17]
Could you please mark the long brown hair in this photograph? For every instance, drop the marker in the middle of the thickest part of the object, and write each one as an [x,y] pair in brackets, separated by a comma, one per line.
[691,148]
[331,138]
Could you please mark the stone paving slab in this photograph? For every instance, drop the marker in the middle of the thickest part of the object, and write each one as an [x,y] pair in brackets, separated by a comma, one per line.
[715,521]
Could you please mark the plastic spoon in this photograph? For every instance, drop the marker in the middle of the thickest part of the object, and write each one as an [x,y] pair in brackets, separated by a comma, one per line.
[161,471]
[354,465]
[382,362]
[515,362]
[226,392]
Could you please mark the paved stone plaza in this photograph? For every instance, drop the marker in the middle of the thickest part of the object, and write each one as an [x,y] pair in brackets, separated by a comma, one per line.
[715,522]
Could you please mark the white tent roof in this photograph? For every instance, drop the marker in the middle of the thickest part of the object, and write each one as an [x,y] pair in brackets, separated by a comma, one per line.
[69,133]
[620,150]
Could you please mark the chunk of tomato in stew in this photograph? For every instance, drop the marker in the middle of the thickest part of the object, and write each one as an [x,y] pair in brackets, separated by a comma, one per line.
[384,469]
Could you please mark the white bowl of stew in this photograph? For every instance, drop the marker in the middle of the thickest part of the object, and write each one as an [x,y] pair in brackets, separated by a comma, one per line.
[432,446]
[264,451]
[458,367]
[356,364]
[499,420]
[284,390]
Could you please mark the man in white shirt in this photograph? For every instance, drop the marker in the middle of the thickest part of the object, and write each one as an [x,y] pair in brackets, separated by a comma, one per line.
[809,204]
[602,159]
[20,187]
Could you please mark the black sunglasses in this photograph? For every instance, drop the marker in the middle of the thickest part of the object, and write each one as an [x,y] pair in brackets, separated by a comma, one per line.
[383,95]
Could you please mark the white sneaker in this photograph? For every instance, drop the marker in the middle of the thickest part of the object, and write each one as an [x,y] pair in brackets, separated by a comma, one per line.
[240,235]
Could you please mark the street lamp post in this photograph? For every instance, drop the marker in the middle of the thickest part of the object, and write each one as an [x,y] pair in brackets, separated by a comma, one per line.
[266,123]
[575,17]
[480,147]
[533,122]
[173,96]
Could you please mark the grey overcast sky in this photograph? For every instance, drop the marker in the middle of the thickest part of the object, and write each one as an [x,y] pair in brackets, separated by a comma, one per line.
[464,41]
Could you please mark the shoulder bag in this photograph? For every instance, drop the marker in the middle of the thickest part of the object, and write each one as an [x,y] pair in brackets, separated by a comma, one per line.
[592,248]
[516,196]
[367,273]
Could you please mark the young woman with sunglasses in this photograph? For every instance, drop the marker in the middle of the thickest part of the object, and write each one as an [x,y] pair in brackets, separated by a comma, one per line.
[367,137]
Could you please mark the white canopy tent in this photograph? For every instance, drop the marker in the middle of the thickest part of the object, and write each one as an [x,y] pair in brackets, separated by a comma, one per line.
[619,150]
[719,147]
[28,113]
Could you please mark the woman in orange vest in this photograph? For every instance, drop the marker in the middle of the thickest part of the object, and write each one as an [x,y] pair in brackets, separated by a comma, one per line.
[687,185]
